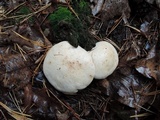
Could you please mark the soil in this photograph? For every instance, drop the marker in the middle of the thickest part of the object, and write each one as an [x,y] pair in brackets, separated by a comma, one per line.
[29,28]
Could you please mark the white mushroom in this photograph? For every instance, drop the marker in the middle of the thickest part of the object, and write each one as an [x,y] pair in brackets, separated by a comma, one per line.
[67,68]
[105,59]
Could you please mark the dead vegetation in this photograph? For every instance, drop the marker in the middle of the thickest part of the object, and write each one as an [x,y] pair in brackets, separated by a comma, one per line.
[27,32]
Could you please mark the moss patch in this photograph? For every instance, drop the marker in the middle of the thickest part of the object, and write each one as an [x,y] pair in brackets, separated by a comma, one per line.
[67,27]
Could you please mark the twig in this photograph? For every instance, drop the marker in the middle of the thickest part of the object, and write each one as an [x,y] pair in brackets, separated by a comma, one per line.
[14,9]
[98,116]
[145,109]
[66,106]
[21,51]
[140,115]
[28,15]
[3,115]
[28,40]
[12,111]
[115,25]
[69,6]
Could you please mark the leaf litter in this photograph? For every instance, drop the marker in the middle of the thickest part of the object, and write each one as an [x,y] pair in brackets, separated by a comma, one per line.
[131,92]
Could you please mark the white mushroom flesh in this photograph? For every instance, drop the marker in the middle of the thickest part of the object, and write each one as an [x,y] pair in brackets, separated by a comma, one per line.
[105,58]
[67,68]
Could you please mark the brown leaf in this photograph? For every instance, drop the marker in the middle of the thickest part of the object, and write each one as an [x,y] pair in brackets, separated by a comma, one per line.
[128,87]
[28,96]
[41,101]
[111,8]
[150,66]
[131,52]
[15,71]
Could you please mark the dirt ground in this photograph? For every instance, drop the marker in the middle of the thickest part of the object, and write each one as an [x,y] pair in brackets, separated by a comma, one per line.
[28,29]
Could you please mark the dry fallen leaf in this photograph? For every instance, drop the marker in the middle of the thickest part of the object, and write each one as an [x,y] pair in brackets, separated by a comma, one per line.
[15,71]
[128,87]
[150,66]
[111,8]
[37,100]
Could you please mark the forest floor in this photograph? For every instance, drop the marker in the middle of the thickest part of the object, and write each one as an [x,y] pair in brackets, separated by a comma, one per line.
[28,28]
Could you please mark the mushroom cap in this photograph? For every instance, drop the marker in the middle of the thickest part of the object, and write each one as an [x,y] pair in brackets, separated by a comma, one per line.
[67,68]
[105,58]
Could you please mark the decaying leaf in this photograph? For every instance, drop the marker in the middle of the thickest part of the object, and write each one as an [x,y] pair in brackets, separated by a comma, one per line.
[22,46]
[15,71]
[125,82]
[150,66]
[111,8]
[16,65]
[126,86]
[27,37]
[98,5]
[37,100]
[132,51]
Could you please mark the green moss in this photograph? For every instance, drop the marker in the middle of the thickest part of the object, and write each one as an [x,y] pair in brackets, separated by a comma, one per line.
[67,27]
[62,14]
[82,7]
[62,22]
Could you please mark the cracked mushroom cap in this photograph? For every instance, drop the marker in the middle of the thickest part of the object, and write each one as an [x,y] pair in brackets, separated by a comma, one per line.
[67,68]
[105,58]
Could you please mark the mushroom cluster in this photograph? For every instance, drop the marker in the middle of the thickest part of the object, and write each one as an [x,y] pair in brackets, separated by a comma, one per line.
[70,69]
